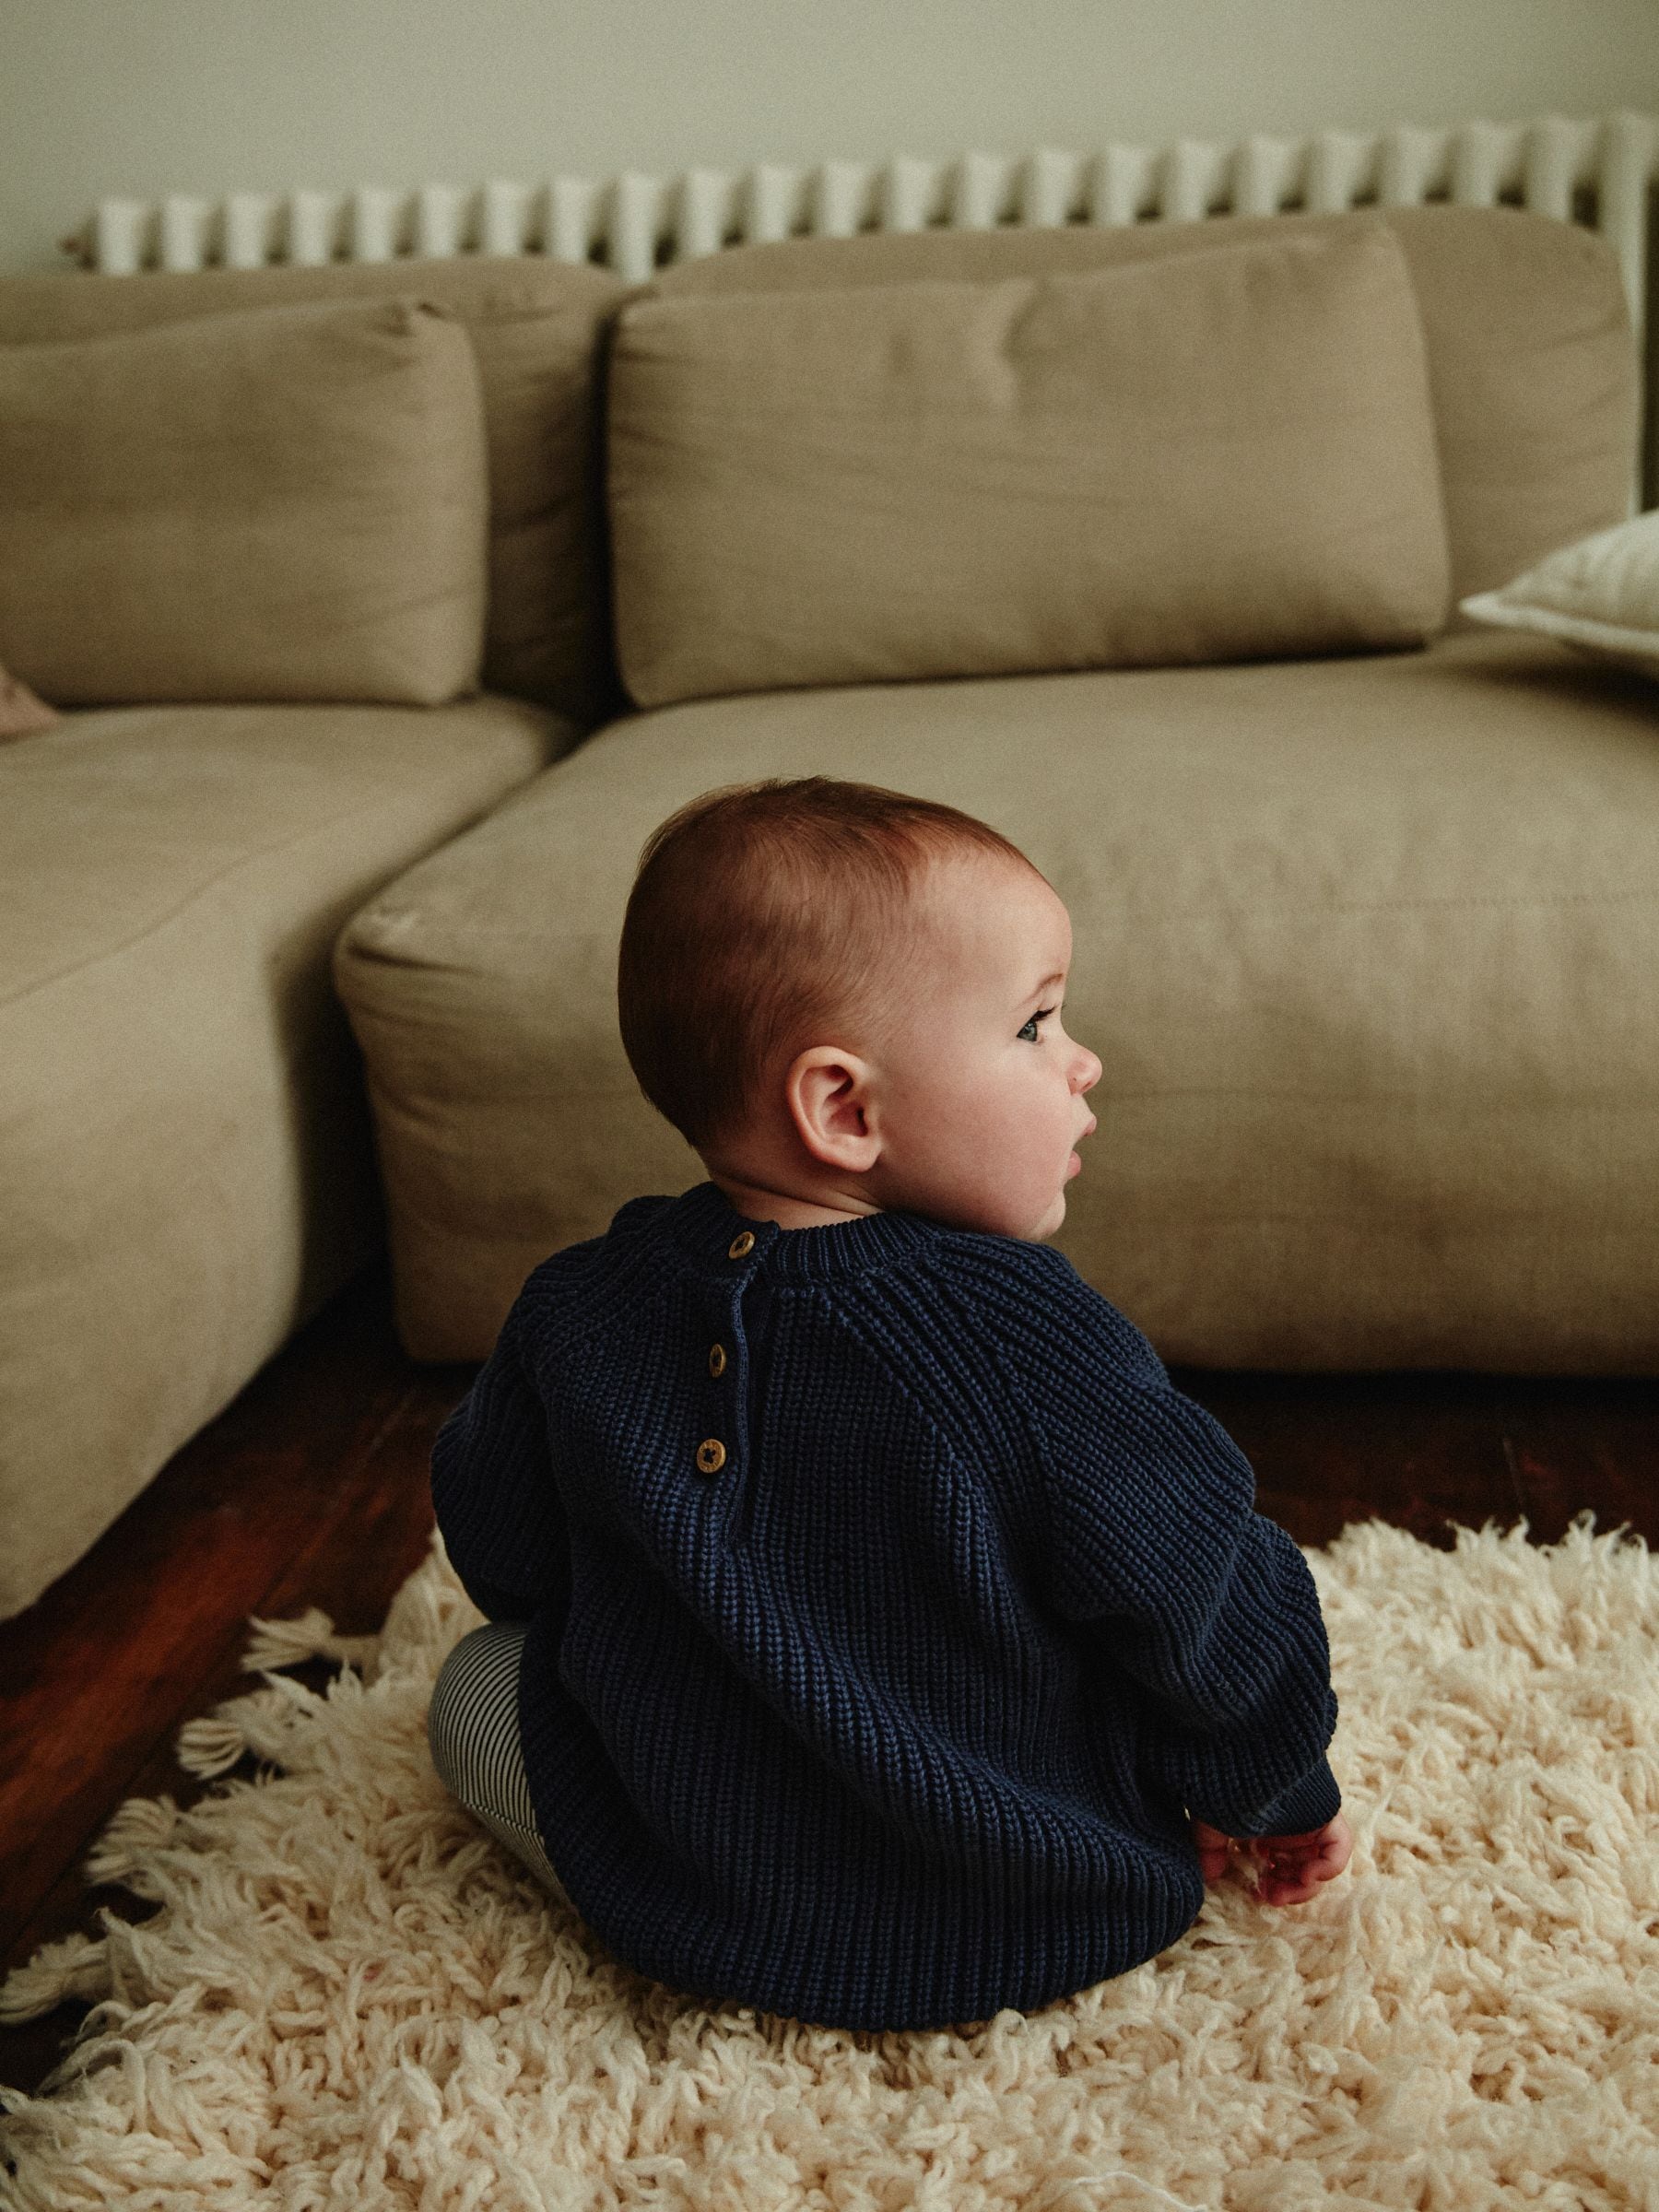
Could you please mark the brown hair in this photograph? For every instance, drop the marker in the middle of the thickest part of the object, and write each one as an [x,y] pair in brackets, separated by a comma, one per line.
[760,915]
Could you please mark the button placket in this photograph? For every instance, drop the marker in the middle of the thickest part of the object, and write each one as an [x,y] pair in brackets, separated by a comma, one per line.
[712,1452]
[725,1373]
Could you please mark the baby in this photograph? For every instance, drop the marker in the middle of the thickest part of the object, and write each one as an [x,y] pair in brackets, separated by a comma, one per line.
[876,1636]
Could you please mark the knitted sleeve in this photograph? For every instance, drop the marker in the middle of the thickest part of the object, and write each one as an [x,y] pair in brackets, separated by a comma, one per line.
[495,1494]
[1157,1553]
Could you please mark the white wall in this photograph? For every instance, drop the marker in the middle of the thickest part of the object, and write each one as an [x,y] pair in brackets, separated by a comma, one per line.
[144,97]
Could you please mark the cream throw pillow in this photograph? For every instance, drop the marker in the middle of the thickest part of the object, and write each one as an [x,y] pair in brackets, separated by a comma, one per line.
[288,503]
[1601,594]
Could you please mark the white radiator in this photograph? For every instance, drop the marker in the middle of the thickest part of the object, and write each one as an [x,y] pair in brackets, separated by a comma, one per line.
[1597,172]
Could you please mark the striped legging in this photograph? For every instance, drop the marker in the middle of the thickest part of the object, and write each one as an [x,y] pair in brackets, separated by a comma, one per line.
[473,1729]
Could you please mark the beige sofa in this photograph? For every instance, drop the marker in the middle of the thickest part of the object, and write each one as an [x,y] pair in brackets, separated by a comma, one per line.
[185,1147]
[1361,899]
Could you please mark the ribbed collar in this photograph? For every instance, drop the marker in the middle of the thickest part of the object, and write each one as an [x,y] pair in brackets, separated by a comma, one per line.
[702,1222]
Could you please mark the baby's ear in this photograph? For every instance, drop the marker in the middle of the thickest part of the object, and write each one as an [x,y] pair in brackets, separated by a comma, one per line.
[831,1102]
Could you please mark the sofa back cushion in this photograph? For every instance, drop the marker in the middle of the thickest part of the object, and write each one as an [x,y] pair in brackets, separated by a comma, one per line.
[1532,365]
[288,503]
[535,327]
[1223,455]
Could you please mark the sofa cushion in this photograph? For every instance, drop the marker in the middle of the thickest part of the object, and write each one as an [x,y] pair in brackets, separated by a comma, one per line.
[1534,374]
[535,326]
[1214,457]
[288,503]
[1364,945]
[184,1146]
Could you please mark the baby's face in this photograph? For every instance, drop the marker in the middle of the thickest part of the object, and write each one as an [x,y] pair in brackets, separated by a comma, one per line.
[978,1092]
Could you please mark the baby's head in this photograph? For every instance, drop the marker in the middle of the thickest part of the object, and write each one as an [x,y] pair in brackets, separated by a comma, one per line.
[847,1000]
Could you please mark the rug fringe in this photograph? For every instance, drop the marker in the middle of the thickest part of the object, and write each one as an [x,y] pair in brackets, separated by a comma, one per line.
[212,1744]
[132,1833]
[267,1722]
[75,1966]
[278,1643]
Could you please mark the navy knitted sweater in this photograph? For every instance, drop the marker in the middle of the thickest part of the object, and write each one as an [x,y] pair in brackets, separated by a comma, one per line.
[889,1610]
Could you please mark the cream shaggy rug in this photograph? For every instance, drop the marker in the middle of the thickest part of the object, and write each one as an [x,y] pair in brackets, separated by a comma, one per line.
[351,1996]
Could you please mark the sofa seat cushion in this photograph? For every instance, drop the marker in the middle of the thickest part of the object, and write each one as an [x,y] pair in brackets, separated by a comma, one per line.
[1364,944]
[183,1144]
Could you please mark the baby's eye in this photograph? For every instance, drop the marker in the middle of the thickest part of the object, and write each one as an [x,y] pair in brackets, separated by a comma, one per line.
[1042,1015]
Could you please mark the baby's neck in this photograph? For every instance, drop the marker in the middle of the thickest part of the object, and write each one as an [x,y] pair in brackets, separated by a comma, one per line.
[755,1203]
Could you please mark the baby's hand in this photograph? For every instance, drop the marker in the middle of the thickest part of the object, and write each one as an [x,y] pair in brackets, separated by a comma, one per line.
[1293,1867]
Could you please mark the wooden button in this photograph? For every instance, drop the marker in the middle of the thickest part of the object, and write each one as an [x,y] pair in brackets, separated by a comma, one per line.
[710,1456]
[717,1358]
[741,1245]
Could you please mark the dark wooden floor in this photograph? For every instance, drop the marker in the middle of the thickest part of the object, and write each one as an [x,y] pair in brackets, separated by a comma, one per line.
[311,1490]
